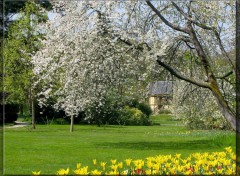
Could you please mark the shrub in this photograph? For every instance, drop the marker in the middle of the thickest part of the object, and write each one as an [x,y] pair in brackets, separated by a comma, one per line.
[113,111]
[133,116]
[145,108]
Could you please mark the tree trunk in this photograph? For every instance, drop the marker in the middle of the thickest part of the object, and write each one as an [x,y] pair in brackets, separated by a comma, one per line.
[33,112]
[225,110]
[72,122]
[21,110]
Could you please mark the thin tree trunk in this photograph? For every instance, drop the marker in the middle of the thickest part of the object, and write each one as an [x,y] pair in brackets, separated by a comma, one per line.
[72,123]
[33,110]
[21,110]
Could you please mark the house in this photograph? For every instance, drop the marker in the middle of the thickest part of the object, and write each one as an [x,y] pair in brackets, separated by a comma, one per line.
[160,95]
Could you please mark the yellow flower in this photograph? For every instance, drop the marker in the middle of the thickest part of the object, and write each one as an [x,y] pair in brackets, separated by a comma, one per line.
[125,172]
[205,168]
[220,171]
[128,161]
[113,161]
[168,165]
[229,172]
[188,165]
[234,166]
[222,154]
[226,162]
[36,172]
[138,164]
[214,163]
[211,157]
[180,168]
[78,165]
[112,173]
[150,158]
[82,171]
[229,149]
[63,172]
[175,161]
[172,171]
[184,161]
[114,167]
[196,167]
[154,172]
[160,159]
[205,155]
[120,165]
[156,167]
[188,172]
[96,172]
[149,164]
[233,156]
[178,156]
[148,172]
[94,161]
[103,164]
[199,162]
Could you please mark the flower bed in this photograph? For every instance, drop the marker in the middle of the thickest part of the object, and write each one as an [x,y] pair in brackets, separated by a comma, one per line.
[215,163]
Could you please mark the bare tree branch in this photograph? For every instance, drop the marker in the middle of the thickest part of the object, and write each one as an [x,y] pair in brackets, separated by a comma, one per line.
[186,39]
[180,76]
[139,46]
[225,76]
[173,26]
[204,26]
[223,49]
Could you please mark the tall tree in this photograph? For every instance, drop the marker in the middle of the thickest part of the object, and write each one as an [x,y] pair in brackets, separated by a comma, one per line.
[22,42]
[12,7]
[194,23]
[154,32]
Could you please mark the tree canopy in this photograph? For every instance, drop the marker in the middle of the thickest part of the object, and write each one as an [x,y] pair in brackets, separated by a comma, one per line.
[92,46]
[22,42]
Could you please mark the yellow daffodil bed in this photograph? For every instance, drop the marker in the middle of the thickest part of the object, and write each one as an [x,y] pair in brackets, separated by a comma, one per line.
[214,163]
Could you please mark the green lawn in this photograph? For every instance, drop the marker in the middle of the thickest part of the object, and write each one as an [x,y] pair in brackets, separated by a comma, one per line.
[51,147]
[165,119]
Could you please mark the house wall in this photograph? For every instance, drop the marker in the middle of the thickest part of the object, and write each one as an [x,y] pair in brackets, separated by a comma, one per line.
[159,102]
[154,103]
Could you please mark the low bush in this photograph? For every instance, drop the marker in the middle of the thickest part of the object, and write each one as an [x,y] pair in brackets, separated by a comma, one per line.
[145,108]
[133,116]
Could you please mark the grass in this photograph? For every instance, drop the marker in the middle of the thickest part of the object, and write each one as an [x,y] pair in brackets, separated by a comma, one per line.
[51,147]
[164,119]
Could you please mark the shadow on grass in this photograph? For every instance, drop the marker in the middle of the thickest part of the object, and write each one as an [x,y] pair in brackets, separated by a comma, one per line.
[187,145]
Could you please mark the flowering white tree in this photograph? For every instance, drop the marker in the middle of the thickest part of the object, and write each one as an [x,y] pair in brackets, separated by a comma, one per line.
[93,46]
[83,59]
